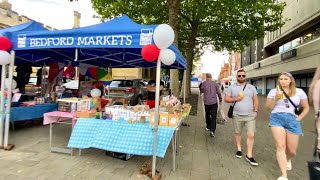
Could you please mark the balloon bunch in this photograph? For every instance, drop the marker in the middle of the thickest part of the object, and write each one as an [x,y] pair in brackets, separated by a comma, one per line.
[5,46]
[163,37]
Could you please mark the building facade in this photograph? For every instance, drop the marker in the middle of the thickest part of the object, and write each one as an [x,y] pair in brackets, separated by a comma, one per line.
[234,66]
[293,48]
[8,17]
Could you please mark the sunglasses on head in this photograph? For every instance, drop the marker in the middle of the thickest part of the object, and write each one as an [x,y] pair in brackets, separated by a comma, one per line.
[241,75]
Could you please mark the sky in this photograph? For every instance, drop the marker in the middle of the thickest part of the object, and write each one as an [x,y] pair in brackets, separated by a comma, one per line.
[59,14]
[213,61]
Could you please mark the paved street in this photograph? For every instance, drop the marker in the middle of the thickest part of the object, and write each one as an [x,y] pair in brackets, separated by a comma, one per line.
[200,156]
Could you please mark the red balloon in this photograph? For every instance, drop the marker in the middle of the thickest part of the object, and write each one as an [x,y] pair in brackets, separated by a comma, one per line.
[150,52]
[5,43]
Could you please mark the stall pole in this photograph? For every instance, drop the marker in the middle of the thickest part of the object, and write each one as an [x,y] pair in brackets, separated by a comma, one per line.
[184,87]
[7,123]
[156,118]
[3,77]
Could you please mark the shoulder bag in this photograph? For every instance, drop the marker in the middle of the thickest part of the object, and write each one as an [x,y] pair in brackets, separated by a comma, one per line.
[230,111]
[297,109]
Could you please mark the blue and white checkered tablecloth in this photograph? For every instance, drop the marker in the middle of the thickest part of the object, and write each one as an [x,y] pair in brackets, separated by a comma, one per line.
[119,136]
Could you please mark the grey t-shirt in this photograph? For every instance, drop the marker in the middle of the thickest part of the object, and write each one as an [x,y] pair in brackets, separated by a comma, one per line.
[245,106]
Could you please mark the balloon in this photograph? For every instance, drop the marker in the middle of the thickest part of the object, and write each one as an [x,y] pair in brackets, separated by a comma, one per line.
[167,56]
[150,52]
[5,43]
[7,83]
[5,57]
[163,36]
[95,93]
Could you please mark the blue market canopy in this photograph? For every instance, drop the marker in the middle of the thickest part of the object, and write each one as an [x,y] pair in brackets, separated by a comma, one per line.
[116,44]
[29,26]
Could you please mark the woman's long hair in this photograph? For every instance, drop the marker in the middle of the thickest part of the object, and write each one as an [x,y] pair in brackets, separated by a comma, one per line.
[316,77]
[292,85]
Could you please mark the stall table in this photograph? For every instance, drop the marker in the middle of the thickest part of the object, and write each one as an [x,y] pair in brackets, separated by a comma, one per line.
[58,117]
[23,113]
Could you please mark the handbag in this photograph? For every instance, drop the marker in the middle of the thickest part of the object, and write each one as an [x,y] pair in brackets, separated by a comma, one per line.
[297,109]
[230,111]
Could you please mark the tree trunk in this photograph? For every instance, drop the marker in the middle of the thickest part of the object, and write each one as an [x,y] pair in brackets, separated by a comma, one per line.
[173,7]
[189,58]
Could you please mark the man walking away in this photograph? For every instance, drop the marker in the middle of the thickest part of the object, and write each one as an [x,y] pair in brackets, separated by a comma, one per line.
[210,90]
[244,95]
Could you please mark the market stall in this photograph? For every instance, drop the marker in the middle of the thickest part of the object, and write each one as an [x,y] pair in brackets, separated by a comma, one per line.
[116,43]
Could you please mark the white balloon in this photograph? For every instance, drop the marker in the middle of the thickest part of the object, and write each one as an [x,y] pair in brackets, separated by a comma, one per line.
[167,56]
[7,83]
[5,57]
[163,36]
[95,92]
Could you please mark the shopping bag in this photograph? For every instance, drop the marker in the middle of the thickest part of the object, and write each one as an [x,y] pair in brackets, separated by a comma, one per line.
[314,170]
[221,118]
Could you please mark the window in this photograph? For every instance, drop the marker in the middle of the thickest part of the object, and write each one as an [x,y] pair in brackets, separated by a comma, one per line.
[298,82]
[303,83]
[296,42]
[287,46]
[280,49]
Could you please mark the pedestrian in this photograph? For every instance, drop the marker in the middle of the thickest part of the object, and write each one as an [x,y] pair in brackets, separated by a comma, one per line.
[245,99]
[200,88]
[285,120]
[151,88]
[210,90]
[314,96]
[222,88]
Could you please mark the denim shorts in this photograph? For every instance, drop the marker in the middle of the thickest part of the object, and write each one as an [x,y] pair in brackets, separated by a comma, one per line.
[286,120]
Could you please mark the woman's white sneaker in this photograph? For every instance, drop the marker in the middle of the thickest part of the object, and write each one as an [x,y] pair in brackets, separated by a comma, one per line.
[282,178]
[289,165]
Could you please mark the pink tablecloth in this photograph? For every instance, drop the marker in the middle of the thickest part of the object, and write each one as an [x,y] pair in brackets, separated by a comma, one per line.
[56,116]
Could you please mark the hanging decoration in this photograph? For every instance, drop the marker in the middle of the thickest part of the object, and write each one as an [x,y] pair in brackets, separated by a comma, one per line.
[5,44]
[5,57]
[167,56]
[150,52]
[163,37]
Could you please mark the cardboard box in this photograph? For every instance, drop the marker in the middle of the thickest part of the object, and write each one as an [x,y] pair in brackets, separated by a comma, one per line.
[65,104]
[86,114]
[173,120]
[83,104]
[164,119]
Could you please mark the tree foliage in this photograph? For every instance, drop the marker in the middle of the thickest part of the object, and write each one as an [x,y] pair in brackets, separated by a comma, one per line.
[218,24]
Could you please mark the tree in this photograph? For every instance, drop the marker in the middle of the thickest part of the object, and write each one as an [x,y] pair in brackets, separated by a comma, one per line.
[217,24]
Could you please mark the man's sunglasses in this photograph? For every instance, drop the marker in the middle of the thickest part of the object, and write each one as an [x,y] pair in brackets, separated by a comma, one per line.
[242,75]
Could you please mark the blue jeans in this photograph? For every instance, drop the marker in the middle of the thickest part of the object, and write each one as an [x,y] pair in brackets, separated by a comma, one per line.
[286,120]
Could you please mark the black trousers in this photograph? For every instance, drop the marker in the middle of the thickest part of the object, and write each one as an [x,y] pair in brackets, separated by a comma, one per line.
[211,116]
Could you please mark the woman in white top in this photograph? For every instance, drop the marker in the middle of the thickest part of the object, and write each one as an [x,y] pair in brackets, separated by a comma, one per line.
[314,96]
[285,124]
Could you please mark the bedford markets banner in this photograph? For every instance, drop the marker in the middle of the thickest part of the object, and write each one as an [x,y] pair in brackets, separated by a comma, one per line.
[34,41]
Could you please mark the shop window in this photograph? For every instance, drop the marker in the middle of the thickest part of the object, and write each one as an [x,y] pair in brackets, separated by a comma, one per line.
[287,46]
[296,42]
[316,33]
[303,83]
[309,80]
[298,82]
[280,49]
